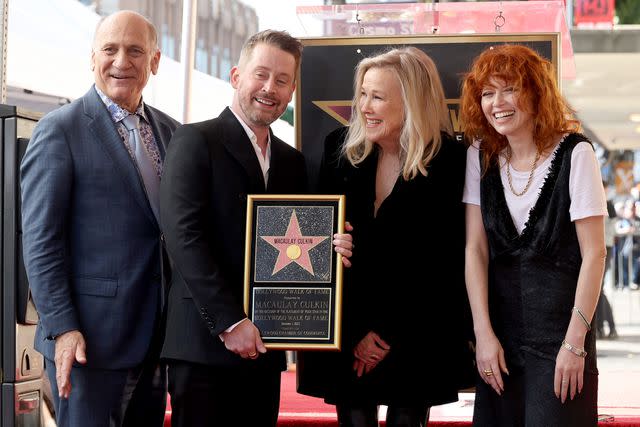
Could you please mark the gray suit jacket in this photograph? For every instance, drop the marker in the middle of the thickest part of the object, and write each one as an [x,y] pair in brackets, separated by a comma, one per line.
[91,242]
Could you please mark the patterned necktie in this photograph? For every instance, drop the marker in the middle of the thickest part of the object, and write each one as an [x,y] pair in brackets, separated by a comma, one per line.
[145,166]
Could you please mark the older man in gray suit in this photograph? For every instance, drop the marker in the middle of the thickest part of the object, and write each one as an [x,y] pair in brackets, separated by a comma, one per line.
[92,244]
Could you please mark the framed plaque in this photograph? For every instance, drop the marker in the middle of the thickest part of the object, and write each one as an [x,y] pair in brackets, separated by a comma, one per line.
[292,275]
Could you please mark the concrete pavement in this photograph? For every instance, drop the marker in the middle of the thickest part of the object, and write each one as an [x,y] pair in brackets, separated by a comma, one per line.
[619,360]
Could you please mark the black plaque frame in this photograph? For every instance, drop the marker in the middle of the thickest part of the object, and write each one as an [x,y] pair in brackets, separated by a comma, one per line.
[292,276]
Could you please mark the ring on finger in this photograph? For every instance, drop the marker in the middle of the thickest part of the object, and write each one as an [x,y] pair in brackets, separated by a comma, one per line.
[488,372]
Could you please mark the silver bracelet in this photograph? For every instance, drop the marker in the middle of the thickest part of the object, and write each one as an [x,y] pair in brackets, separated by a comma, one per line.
[582,317]
[575,350]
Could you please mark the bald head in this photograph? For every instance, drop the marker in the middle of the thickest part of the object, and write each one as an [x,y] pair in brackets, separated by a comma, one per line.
[123,57]
[135,16]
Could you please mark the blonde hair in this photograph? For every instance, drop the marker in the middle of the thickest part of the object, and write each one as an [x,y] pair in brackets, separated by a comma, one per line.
[425,110]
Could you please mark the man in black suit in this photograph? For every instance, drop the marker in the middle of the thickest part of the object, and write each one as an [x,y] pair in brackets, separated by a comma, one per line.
[220,373]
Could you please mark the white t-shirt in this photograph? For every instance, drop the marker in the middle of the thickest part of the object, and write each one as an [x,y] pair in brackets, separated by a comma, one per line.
[585,185]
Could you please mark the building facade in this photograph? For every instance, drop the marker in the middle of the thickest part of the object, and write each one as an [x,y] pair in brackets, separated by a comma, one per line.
[222,27]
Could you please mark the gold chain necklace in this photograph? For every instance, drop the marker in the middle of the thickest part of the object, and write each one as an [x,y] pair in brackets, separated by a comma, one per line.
[533,168]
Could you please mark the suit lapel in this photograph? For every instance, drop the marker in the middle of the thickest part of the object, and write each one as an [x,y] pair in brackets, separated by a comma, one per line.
[106,135]
[277,172]
[239,146]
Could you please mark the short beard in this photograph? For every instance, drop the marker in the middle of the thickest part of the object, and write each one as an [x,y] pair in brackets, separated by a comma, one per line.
[258,118]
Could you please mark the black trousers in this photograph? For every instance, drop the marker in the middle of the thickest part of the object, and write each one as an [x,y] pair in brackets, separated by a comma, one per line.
[604,313]
[367,416]
[208,396]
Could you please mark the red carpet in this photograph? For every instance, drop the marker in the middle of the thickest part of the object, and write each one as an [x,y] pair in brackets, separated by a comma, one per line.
[297,410]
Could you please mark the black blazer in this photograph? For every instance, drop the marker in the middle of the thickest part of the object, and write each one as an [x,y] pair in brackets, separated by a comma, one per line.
[208,173]
[406,283]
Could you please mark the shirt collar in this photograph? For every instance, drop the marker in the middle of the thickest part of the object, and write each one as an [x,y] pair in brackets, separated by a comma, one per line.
[252,136]
[116,112]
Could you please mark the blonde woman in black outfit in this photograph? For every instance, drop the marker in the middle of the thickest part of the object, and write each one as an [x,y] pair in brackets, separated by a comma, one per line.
[404,309]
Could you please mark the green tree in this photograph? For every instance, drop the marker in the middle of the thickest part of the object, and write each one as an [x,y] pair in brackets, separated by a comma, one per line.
[628,11]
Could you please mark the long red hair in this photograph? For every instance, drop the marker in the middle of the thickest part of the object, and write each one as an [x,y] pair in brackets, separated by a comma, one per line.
[534,78]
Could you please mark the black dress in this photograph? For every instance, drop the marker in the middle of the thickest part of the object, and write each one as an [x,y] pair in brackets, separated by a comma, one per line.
[532,284]
[406,284]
